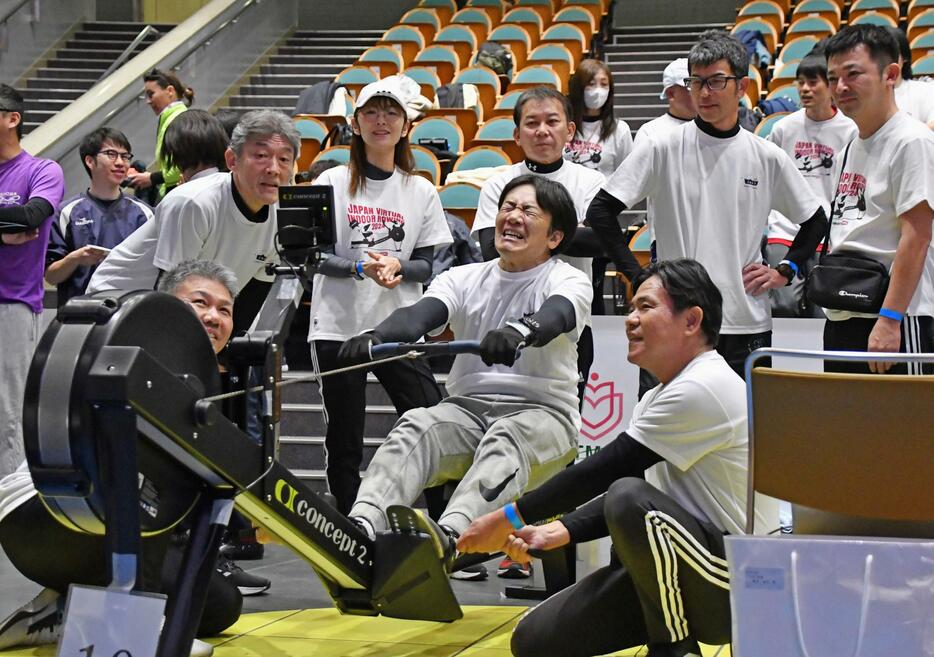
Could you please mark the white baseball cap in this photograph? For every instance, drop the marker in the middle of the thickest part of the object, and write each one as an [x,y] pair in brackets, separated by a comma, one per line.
[674,74]
[387,87]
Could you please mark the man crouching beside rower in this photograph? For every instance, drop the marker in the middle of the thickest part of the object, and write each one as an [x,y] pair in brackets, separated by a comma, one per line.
[666,492]
[510,423]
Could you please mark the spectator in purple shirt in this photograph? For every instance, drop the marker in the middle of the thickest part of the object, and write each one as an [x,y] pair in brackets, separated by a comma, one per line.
[30,190]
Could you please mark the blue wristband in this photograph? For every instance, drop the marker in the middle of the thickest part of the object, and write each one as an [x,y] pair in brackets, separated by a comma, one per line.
[512,516]
[793,266]
[358,267]
[891,314]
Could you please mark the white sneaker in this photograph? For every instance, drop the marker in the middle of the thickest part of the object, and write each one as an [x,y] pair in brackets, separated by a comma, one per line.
[36,623]
[201,648]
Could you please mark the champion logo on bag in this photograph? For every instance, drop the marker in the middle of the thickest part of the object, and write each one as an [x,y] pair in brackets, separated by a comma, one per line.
[855,295]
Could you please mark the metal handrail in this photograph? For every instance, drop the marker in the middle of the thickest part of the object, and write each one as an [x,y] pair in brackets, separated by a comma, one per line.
[122,57]
[12,11]
[230,21]
[807,354]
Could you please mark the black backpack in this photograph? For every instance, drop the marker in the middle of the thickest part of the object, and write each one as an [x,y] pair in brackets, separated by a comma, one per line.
[495,56]
[339,135]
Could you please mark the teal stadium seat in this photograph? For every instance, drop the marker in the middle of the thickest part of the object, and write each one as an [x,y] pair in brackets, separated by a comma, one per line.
[765,125]
[481,156]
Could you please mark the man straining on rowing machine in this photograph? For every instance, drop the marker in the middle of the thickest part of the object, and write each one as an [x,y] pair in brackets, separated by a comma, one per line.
[510,423]
[55,557]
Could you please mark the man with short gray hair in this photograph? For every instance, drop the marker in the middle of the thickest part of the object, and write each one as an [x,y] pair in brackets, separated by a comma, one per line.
[227,218]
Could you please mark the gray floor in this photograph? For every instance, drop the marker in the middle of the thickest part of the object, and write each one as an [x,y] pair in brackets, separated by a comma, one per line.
[294,585]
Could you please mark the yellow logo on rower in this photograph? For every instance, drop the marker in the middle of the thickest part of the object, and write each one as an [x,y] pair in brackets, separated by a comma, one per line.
[286,495]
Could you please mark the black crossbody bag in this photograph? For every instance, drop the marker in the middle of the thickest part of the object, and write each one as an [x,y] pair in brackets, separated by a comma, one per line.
[846,281]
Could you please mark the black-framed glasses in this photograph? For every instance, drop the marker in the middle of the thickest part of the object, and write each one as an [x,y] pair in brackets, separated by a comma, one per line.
[112,155]
[714,82]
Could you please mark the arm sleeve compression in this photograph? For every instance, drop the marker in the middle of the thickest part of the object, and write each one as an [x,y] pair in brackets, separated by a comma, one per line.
[412,322]
[601,216]
[487,239]
[29,216]
[810,234]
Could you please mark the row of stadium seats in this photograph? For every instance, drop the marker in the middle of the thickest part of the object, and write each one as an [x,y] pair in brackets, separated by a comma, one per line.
[812,20]
[436,44]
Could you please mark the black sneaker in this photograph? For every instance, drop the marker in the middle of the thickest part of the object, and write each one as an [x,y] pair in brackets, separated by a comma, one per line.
[36,623]
[476,573]
[242,546]
[247,584]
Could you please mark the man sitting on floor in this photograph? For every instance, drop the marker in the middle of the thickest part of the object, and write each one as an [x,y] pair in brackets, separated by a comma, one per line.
[510,422]
[55,557]
[667,583]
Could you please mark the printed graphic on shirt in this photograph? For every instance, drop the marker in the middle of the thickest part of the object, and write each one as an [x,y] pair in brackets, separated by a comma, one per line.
[810,156]
[583,152]
[10,198]
[850,204]
[370,227]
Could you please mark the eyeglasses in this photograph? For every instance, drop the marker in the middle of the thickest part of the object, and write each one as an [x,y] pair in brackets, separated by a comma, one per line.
[714,83]
[528,211]
[113,155]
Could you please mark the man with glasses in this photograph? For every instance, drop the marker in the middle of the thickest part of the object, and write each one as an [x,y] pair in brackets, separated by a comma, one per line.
[227,218]
[30,190]
[712,187]
[97,220]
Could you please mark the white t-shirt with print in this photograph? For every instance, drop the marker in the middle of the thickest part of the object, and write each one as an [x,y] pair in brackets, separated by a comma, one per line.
[885,176]
[916,98]
[654,129]
[198,220]
[481,297]
[697,423]
[815,147]
[393,217]
[582,184]
[587,149]
[712,197]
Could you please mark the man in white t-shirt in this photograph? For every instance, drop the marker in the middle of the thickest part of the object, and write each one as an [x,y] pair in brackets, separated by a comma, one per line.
[227,218]
[884,202]
[914,97]
[543,128]
[712,187]
[666,491]
[680,104]
[510,422]
[815,137]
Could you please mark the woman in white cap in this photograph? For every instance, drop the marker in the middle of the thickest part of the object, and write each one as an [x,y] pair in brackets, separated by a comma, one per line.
[388,222]
[602,141]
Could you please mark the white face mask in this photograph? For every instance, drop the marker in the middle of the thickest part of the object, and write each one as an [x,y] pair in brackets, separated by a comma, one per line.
[595,97]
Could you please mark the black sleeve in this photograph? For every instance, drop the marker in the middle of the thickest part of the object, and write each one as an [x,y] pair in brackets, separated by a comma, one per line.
[487,239]
[20,218]
[810,234]
[418,267]
[412,322]
[587,522]
[586,244]
[601,216]
[554,317]
[335,265]
[624,457]
[156,178]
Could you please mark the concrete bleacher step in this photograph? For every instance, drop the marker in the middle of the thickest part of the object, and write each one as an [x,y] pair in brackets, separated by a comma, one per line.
[301,60]
[78,65]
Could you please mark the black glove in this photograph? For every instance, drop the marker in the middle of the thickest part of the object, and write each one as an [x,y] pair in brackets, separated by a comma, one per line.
[356,350]
[501,346]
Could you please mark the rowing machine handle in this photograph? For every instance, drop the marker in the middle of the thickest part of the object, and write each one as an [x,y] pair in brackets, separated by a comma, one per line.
[451,348]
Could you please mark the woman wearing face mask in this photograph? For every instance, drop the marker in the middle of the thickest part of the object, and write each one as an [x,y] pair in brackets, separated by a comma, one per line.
[388,222]
[601,141]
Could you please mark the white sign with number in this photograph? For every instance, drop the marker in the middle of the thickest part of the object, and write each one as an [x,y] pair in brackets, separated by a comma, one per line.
[107,623]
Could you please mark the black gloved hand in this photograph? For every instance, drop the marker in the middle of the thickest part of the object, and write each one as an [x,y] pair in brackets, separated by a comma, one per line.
[501,346]
[356,350]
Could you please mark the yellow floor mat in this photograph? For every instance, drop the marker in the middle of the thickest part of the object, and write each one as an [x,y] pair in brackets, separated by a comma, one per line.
[483,632]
